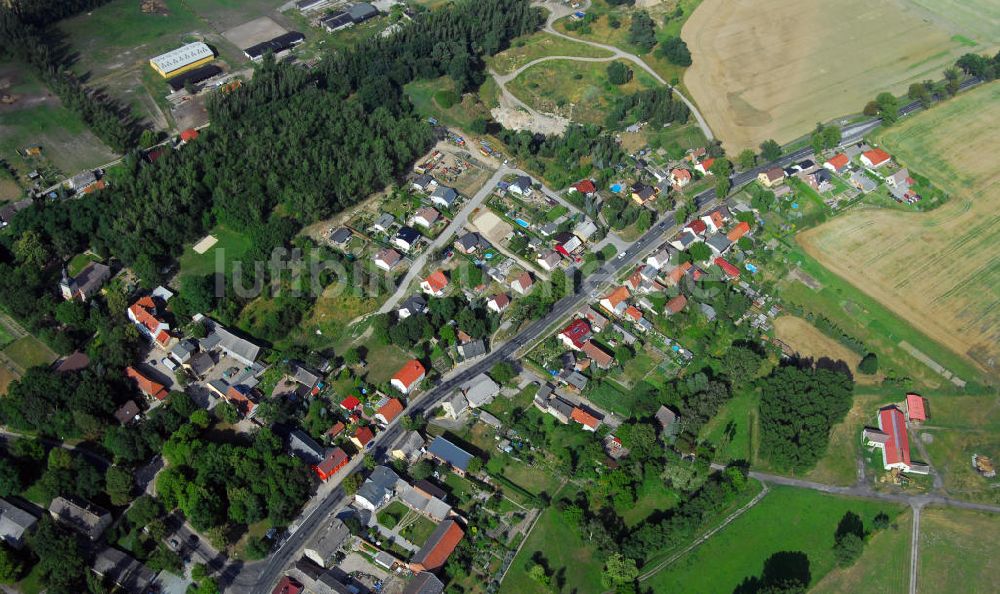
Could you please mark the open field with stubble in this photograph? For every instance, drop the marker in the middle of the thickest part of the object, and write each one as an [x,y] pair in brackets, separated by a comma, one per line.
[772,69]
[958,551]
[940,270]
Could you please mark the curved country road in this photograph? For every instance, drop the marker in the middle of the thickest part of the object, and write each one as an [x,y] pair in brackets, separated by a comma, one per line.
[558,10]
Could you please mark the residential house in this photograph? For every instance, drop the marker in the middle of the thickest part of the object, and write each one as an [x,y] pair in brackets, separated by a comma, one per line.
[675,305]
[587,420]
[730,270]
[231,345]
[642,193]
[597,321]
[837,163]
[435,552]
[406,238]
[145,314]
[387,258]
[480,390]
[384,223]
[576,334]
[488,419]
[660,258]
[15,524]
[598,355]
[410,448]
[616,301]
[719,243]
[444,196]
[875,158]
[678,272]
[900,179]
[287,585]
[362,437]
[559,408]
[148,386]
[120,569]
[77,361]
[521,185]
[350,404]
[409,376]
[695,155]
[522,283]
[323,547]
[679,178]
[308,379]
[915,409]
[574,380]
[183,351]
[819,180]
[424,583]
[86,518]
[715,219]
[862,182]
[498,303]
[585,187]
[243,398]
[705,166]
[585,229]
[549,259]
[738,231]
[127,413]
[423,183]
[435,284]
[305,448]
[697,226]
[669,422]
[424,503]
[411,306]
[455,405]
[340,237]
[450,454]
[771,177]
[200,364]
[684,239]
[469,243]
[388,412]
[708,310]
[426,217]
[80,181]
[566,246]
[335,430]
[331,464]
[471,349]
[85,285]
[378,488]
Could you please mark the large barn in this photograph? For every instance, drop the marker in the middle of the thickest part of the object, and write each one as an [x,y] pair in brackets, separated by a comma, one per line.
[182,59]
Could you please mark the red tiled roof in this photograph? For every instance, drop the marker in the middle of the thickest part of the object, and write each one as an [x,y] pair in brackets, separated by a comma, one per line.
[237,397]
[707,164]
[410,373]
[726,267]
[584,418]
[633,312]
[680,174]
[617,296]
[390,410]
[501,300]
[897,448]
[915,407]
[364,435]
[677,273]
[524,280]
[876,156]
[350,403]
[741,229]
[144,311]
[717,219]
[334,461]
[577,332]
[698,226]
[146,385]
[676,304]
[436,551]
[839,161]
[336,430]
[287,585]
[585,187]
[599,355]
[437,281]
[189,134]
[163,337]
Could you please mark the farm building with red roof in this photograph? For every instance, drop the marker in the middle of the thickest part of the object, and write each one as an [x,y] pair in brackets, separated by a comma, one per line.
[589,421]
[438,547]
[915,410]
[409,376]
[892,439]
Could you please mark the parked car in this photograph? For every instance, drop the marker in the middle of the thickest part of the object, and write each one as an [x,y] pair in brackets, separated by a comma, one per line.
[170,364]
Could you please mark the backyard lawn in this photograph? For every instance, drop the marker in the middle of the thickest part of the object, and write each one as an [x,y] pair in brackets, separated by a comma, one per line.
[231,246]
[786,520]
[28,352]
[392,514]
[418,531]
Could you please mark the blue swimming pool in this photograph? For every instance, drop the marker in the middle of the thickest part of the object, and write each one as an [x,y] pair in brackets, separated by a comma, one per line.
[616,188]
[750,267]
[522,223]
[795,205]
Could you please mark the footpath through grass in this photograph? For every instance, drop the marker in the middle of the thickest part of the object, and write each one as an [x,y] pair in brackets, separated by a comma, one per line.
[787,519]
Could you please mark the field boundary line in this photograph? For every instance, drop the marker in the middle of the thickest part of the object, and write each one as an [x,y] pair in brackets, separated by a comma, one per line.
[704,537]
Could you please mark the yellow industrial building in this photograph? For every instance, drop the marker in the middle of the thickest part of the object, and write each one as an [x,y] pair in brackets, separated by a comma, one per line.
[182,59]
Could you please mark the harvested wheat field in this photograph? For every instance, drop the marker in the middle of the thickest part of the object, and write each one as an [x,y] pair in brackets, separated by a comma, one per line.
[773,68]
[806,340]
[938,270]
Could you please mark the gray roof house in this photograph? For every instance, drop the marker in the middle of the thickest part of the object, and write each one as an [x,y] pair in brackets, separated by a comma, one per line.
[444,196]
[409,447]
[668,421]
[560,409]
[230,344]
[423,182]
[862,182]
[455,405]
[15,523]
[305,447]
[384,222]
[521,185]
[122,570]
[377,489]
[85,517]
[361,12]
[574,379]
[450,454]
[340,236]
[428,505]
[472,349]
[719,243]
[328,540]
[82,180]
[481,390]
[412,305]
[424,583]
[183,351]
